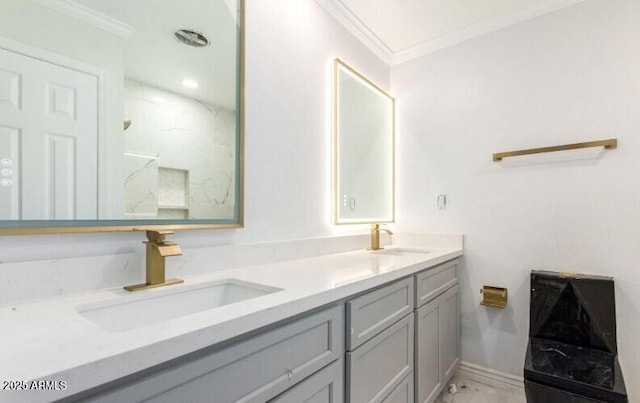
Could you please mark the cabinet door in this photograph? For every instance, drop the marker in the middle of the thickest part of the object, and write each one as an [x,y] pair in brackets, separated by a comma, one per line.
[403,393]
[427,371]
[449,332]
[379,365]
[325,386]
[49,134]
[437,344]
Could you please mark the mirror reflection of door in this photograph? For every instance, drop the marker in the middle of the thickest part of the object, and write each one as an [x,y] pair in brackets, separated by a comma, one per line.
[48,140]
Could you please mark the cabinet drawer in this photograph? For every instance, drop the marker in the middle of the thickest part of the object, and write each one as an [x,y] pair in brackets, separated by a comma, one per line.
[373,312]
[432,282]
[381,364]
[325,386]
[254,370]
[403,393]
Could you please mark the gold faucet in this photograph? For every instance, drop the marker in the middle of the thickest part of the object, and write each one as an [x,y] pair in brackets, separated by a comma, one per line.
[157,249]
[375,236]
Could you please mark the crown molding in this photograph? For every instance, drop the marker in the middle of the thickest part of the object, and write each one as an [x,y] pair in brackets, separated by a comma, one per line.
[481,28]
[532,10]
[345,17]
[89,16]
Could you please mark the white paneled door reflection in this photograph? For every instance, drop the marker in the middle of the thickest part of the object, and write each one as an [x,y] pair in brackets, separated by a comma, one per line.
[48,140]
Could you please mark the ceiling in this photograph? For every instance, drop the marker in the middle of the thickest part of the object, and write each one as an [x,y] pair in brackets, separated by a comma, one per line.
[400,30]
[152,55]
[395,30]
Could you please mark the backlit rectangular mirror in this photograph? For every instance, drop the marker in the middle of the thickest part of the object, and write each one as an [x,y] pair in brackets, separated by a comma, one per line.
[364,121]
[120,115]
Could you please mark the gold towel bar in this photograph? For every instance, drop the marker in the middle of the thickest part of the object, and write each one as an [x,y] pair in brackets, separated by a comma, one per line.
[608,144]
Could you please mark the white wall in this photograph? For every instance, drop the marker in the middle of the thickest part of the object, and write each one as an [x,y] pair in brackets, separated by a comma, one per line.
[289,46]
[570,76]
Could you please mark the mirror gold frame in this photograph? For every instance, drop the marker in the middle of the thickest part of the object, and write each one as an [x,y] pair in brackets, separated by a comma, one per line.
[26,228]
[337,220]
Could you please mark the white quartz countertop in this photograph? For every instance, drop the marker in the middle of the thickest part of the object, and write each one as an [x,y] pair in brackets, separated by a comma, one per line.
[49,340]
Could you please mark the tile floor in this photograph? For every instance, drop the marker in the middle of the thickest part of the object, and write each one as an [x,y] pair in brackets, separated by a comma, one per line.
[470,391]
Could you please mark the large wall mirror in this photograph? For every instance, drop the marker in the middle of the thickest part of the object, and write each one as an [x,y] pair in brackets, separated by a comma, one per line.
[120,115]
[364,120]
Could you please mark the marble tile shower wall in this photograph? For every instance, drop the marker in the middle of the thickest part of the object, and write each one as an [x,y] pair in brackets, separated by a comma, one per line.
[163,122]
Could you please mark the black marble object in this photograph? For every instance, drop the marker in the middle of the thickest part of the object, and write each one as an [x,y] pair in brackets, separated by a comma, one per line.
[576,310]
[572,350]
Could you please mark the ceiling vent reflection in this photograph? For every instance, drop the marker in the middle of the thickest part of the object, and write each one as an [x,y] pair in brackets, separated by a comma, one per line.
[192,38]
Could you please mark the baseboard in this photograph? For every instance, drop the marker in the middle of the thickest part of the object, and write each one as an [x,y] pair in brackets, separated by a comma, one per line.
[489,376]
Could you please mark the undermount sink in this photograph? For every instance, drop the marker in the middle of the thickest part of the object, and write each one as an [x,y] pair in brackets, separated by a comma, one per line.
[401,251]
[129,311]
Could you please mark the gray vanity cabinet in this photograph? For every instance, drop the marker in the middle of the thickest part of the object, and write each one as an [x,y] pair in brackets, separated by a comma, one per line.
[382,327]
[437,331]
[325,386]
[254,370]
[401,345]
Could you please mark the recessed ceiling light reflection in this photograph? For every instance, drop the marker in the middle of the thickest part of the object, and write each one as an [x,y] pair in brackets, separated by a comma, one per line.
[190,83]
